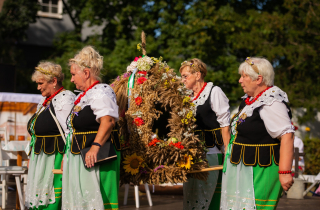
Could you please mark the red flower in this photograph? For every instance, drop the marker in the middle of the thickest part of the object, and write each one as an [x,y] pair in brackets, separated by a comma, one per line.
[153,142]
[138,100]
[143,72]
[141,80]
[177,145]
[137,58]
[138,121]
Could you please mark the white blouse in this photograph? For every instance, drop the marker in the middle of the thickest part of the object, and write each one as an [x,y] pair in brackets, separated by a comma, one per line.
[102,100]
[62,104]
[219,104]
[273,112]
[218,101]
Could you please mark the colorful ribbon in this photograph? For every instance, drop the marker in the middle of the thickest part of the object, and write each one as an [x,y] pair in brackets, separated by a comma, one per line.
[68,139]
[228,153]
[131,84]
[33,138]
[32,144]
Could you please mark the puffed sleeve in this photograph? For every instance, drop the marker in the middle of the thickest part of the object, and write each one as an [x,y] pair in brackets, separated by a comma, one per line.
[220,105]
[105,105]
[62,116]
[63,107]
[276,119]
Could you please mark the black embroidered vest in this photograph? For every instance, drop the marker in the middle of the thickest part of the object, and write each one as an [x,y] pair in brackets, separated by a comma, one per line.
[253,144]
[85,128]
[208,128]
[48,137]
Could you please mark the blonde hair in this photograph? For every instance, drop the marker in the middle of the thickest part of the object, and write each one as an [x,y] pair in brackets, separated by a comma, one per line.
[88,57]
[48,70]
[196,65]
[265,70]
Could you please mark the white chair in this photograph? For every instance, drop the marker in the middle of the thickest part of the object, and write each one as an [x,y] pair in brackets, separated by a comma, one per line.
[3,130]
[313,179]
[16,171]
[136,194]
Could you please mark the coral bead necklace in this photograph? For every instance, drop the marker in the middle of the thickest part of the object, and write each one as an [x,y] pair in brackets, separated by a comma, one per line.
[84,93]
[51,97]
[253,100]
[195,98]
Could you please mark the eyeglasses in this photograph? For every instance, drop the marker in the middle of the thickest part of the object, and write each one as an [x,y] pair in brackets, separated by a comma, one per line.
[185,77]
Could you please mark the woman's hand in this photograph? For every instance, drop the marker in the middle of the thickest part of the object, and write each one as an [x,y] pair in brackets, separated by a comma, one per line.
[285,163]
[286,181]
[62,163]
[91,156]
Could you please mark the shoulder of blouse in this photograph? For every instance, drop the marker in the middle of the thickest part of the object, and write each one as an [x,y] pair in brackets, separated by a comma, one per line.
[63,98]
[97,92]
[267,98]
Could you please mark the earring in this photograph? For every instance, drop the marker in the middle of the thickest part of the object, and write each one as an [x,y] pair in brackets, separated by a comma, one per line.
[54,87]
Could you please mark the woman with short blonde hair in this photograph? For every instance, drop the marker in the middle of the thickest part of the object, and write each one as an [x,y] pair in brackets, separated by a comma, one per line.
[257,167]
[212,119]
[47,145]
[91,122]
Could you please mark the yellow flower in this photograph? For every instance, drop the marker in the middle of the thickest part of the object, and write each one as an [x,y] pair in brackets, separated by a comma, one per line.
[167,68]
[186,162]
[132,163]
[186,99]
[308,129]
[173,80]
[184,121]
[155,59]
[139,46]
[189,115]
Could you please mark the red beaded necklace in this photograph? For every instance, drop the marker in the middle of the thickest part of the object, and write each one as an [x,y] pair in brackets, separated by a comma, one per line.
[205,84]
[50,97]
[253,100]
[82,94]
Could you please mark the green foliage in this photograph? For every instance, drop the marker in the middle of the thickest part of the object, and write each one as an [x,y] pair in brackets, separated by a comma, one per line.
[312,155]
[222,33]
[15,17]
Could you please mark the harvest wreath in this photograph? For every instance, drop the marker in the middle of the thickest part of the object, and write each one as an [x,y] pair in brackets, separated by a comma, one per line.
[153,89]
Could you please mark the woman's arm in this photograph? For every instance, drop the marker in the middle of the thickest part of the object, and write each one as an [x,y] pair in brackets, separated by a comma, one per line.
[220,105]
[285,163]
[226,137]
[106,125]
[278,124]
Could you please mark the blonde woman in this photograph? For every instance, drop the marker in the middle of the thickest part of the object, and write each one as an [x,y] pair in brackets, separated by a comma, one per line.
[259,155]
[91,122]
[213,117]
[47,145]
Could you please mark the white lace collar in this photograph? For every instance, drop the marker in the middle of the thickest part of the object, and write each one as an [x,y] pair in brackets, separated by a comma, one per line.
[203,95]
[64,97]
[267,98]
[98,91]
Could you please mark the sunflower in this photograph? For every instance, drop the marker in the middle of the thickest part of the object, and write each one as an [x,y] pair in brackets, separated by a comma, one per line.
[186,162]
[132,163]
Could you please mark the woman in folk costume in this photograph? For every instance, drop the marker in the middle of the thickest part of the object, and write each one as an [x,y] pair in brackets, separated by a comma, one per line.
[90,123]
[259,155]
[47,145]
[213,118]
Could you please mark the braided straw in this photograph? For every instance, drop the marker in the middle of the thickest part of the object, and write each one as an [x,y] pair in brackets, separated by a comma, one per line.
[143,43]
[41,70]
[250,62]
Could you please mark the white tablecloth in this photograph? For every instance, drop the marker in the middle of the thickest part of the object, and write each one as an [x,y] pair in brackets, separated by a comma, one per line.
[10,150]
[14,146]
[20,97]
